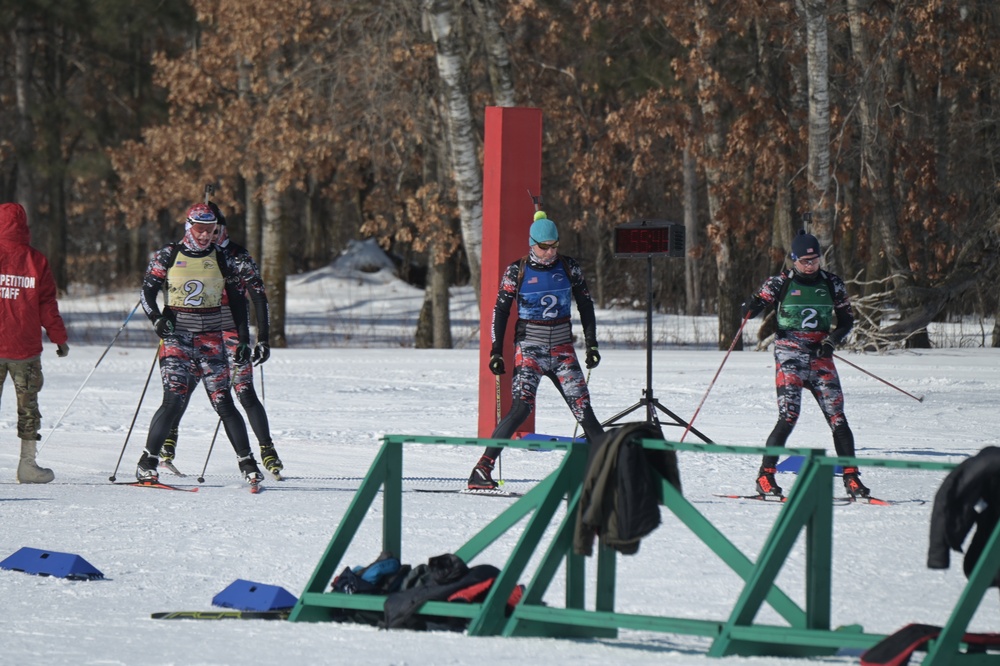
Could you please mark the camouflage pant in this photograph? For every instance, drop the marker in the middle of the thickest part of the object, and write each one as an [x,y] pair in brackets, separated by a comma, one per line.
[795,369]
[28,380]
[242,374]
[246,394]
[558,363]
[185,360]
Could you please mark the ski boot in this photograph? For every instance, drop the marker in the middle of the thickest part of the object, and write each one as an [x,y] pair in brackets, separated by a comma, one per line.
[146,472]
[853,485]
[766,485]
[269,458]
[251,473]
[168,450]
[481,479]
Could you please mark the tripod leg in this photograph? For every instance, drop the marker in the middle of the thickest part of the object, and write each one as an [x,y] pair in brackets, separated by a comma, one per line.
[680,422]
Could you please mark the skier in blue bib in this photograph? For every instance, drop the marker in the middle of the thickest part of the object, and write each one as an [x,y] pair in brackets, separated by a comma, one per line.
[814,316]
[544,285]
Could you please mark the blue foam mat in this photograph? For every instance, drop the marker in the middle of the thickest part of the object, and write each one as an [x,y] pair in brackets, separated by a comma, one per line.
[51,563]
[247,595]
[794,464]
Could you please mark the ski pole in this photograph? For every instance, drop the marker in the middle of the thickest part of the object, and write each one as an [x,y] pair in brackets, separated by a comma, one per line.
[736,337]
[201,478]
[136,415]
[578,423]
[499,462]
[106,349]
[856,367]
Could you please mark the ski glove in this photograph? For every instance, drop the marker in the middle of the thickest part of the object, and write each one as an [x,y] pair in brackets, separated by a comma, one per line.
[496,364]
[751,307]
[593,357]
[825,349]
[164,325]
[242,355]
[261,353]
[62,350]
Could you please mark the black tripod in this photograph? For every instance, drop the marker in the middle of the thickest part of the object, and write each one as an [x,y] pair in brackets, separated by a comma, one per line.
[648,400]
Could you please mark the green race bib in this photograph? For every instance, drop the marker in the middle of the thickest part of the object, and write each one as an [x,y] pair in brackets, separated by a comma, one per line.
[806,307]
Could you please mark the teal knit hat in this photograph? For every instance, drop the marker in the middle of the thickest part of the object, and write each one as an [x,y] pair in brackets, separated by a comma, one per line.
[543,230]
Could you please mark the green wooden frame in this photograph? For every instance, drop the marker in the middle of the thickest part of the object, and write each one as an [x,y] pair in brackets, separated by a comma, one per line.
[808,509]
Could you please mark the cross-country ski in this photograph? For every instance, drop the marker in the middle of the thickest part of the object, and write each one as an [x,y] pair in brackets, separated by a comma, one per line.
[156,485]
[221,615]
[469,491]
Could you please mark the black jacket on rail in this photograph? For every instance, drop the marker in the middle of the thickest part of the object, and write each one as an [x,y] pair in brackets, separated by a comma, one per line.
[620,500]
[969,495]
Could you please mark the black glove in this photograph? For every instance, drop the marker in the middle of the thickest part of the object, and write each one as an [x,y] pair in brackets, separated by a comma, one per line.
[593,357]
[261,353]
[164,325]
[752,307]
[242,355]
[62,350]
[824,349]
[496,364]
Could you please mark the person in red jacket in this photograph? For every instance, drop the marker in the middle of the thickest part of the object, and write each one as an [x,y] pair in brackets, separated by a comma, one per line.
[27,305]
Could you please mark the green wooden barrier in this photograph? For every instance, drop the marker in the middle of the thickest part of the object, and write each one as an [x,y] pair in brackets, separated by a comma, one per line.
[808,509]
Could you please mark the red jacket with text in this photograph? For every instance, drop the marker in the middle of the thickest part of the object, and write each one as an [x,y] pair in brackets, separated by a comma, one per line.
[27,291]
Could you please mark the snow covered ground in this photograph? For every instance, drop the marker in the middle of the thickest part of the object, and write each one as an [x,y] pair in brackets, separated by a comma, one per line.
[351,377]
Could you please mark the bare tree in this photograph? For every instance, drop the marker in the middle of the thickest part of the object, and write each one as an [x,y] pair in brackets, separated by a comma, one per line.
[441,21]
[25,139]
[692,268]
[818,67]
[729,294]
[273,261]
[497,52]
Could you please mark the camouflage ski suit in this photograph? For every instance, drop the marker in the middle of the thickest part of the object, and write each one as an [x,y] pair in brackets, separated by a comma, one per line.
[810,309]
[543,339]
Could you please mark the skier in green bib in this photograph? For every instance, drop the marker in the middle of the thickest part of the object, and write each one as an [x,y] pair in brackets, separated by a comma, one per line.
[814,316]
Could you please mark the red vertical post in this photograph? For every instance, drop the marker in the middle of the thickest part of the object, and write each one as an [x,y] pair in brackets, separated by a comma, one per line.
[512,165]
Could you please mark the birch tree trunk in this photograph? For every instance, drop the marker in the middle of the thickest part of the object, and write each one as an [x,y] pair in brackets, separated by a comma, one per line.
[497,53]
[440,19]
[818,67]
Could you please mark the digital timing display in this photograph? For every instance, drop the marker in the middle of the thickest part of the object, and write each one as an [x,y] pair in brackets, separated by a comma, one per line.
[643,238]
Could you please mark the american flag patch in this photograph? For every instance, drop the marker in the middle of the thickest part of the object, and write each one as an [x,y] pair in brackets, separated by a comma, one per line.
[182,264]
[532,280]
[796,292]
